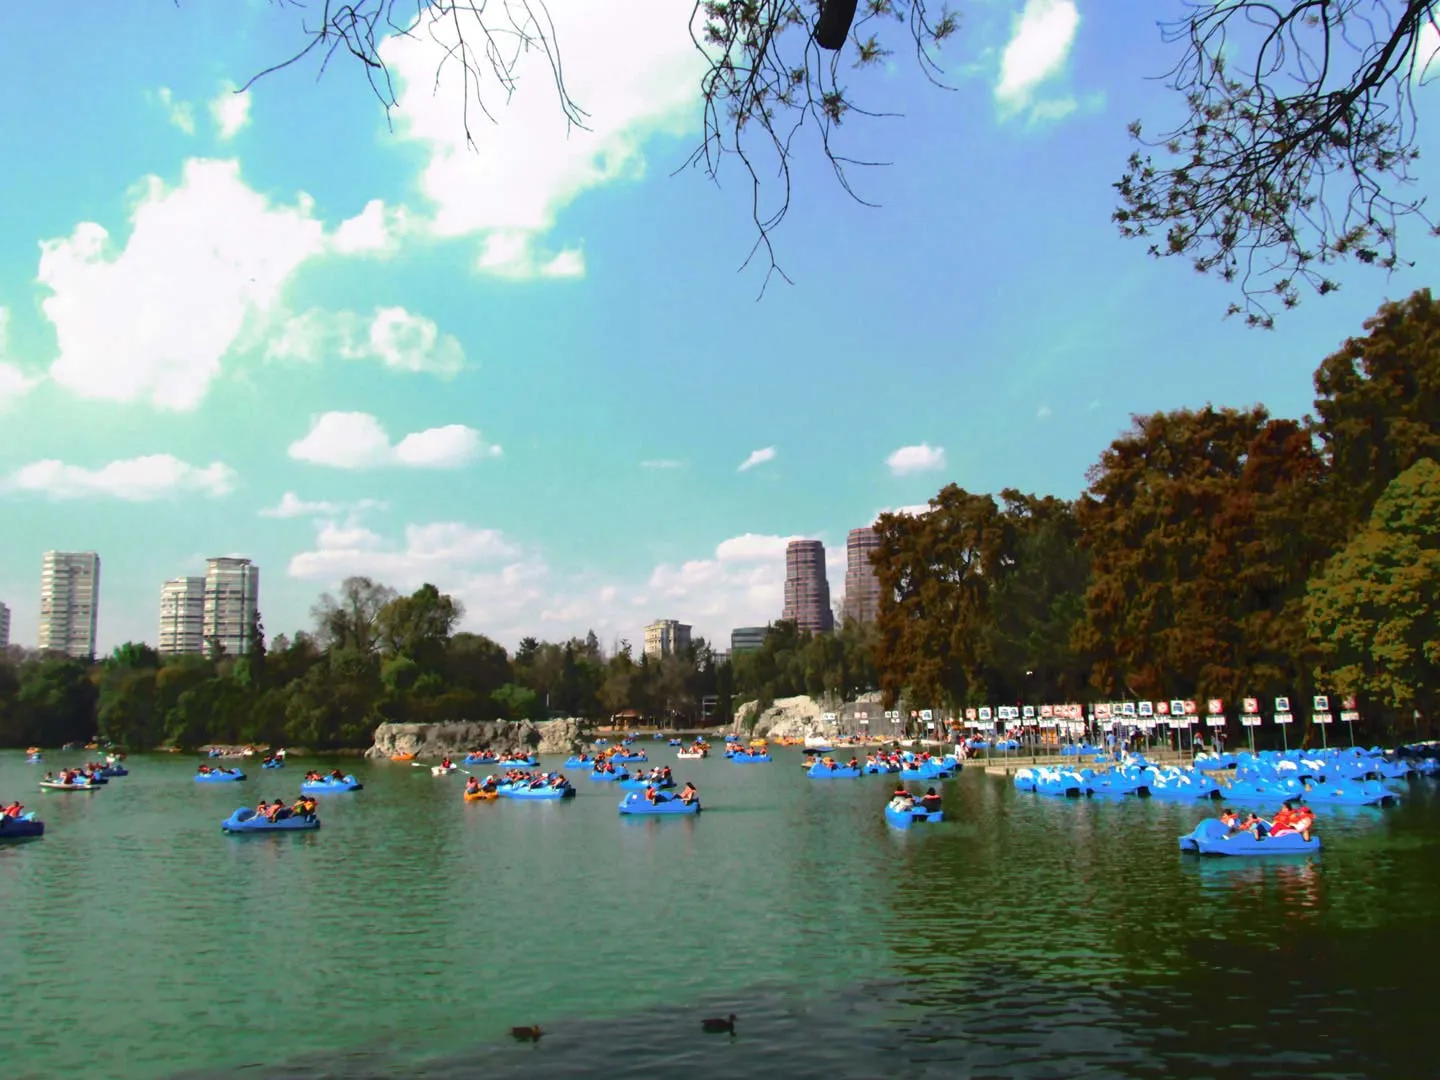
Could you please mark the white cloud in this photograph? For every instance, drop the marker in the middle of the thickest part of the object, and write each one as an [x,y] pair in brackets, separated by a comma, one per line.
[914,510]
[913,459]
[662,463]
[512,255]
[14,383]
[356,440]
[179,113]
[1039,46]
[1044,412]
[152,322]
[141,479]
[1052,110]
[757,457]
[397,338]
[292,506]
[230,110]
[523,169]
[376,230]
[753,547]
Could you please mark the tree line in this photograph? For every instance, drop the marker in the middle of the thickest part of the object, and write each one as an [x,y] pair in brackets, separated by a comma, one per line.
[374,656]
[1215,552]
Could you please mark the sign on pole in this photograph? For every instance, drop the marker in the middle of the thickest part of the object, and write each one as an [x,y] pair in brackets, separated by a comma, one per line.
[1282,705]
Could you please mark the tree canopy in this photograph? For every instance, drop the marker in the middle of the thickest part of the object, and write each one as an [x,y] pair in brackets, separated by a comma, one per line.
[1295,150]
[1216,552]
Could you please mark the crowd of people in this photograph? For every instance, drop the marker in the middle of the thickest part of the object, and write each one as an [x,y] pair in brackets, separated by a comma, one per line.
[1290,818]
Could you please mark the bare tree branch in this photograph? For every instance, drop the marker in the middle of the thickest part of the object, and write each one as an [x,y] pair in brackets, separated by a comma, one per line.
[1297,148]
[767,77]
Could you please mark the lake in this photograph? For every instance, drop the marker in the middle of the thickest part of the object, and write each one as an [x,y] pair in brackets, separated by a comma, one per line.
[1023,937]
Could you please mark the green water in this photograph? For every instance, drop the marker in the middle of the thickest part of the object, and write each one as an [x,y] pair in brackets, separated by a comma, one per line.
[1023,937]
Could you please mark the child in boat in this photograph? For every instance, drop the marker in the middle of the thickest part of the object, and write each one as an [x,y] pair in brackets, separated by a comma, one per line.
[688,794]
[1229,819]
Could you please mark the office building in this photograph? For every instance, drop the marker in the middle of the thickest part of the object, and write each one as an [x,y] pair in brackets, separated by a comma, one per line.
[69,602]
[807,590]
[747,638]
[182,616]
[666,637]
[862,586]
[4,627]
[232,593]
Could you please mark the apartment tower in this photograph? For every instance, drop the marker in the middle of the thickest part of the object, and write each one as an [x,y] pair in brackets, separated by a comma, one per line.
[182,616]
[4,627]
[862,586]
[69,602]
[232,593]
[807,591]
[666,637]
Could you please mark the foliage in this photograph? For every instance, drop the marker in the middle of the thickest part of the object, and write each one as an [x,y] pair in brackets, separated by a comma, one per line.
[1296,148]
[1294,151]
[1374,612]
[1195,563]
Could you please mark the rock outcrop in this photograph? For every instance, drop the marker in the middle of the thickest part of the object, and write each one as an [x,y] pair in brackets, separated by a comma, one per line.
[435,740]
[796,717]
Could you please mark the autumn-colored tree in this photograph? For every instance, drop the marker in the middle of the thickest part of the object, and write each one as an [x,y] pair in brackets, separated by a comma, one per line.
[1196,522]
[1378,401]
[1374,613]
[936,573]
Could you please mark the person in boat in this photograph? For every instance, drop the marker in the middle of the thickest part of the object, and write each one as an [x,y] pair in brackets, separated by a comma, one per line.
[930,802]
[472,785]
[337,775]
[651,795]
[1303,822]
[14,810]
[688,794]
[262,809]
[278,810]
[900,792]
[204,769]
[445,762]
[1230,819]
[854,764]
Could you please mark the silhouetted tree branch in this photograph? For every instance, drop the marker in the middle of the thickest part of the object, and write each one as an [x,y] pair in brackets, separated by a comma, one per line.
[768,74]
[1297,147]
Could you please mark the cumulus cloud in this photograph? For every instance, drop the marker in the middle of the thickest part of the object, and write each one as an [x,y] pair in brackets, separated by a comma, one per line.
[210,248]
[181,114]
[757,457]
[508,189]
[292,506]
[376,230]
[356,440]
[230,110]
[914,510]
[1039,46]
[140,479]
[510,591]
[14,382]
[914,459]
[398,339]
[1044,412]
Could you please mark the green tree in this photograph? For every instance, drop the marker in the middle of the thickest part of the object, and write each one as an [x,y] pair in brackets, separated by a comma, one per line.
[1374,613]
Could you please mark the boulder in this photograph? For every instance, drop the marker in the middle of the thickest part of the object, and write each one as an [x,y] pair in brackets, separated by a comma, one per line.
[436,740]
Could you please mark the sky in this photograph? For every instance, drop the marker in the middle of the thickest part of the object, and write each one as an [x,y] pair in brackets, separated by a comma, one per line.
[283,325]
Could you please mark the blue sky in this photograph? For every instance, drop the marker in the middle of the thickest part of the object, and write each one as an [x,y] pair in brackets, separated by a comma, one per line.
[272,325]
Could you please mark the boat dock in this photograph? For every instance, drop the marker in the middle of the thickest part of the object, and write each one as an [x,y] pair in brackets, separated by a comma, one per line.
[1002,765]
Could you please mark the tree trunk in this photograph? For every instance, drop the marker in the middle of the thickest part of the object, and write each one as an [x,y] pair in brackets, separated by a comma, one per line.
[833,26]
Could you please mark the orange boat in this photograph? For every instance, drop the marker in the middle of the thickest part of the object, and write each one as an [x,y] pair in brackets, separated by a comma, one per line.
[402,757]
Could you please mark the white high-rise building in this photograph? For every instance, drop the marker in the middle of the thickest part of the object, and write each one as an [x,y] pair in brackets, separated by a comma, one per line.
[666,637]
[182,615]
[232,593]
[69,602]
[4,627]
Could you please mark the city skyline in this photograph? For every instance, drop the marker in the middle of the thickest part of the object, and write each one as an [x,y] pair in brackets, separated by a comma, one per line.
[287,323]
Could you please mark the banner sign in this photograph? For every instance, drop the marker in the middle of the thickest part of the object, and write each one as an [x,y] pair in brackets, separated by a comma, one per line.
[1323,718]
[1283,717]
[1215,721]
[1349,716]
[1250,721]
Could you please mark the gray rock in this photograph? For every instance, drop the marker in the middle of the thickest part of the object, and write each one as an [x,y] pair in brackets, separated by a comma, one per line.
[437,740]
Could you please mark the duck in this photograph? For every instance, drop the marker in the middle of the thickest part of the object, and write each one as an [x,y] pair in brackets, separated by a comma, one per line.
[527,1034]
[717,1026]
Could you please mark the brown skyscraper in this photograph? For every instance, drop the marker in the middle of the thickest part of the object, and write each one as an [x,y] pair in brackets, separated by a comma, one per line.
[862,587]
[807,591]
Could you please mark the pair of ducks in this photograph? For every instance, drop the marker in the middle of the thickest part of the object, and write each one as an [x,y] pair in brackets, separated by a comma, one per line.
[713,1025]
